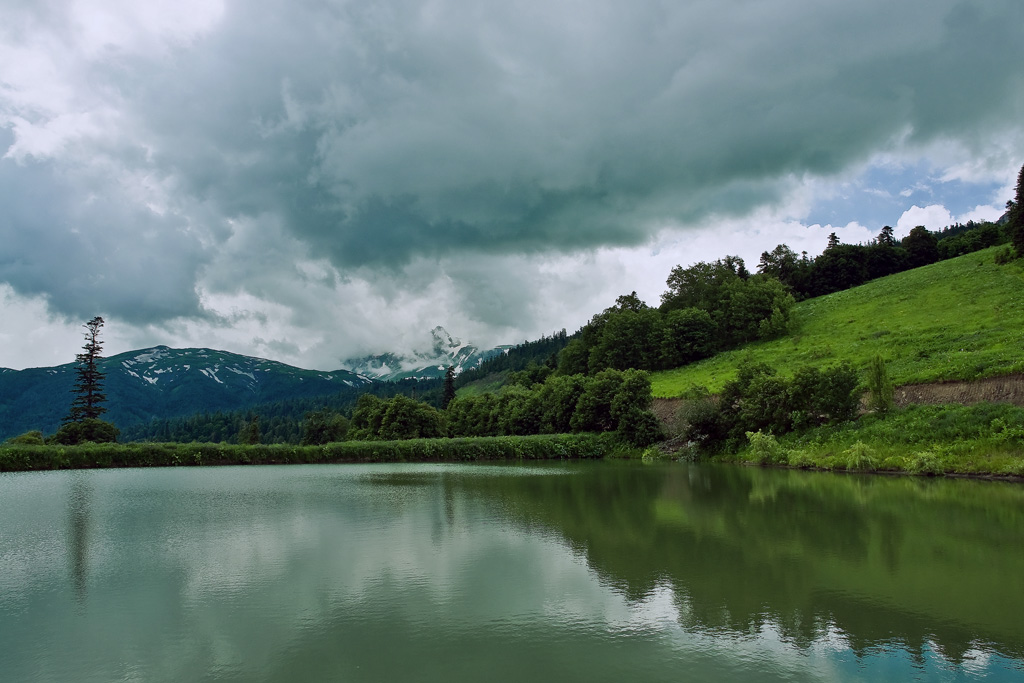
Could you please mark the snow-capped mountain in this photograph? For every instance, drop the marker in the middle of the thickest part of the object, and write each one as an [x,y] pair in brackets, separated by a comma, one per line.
[443,351]
[163,382]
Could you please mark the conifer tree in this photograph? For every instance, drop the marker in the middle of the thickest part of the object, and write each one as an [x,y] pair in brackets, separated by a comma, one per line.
[89,382]
[1015,226]
[449,387]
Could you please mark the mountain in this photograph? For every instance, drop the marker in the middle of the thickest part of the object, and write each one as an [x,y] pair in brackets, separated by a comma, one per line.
[162,382]
[431,362]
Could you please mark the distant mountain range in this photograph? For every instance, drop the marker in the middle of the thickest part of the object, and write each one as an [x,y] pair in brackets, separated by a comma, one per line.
[163,382]
[431,362]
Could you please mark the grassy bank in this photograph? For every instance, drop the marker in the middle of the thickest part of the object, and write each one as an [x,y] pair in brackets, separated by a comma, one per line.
[544,447]
[986,439]
[957,319]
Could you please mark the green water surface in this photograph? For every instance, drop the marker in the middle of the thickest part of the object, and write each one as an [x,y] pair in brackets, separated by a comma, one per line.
[564,571]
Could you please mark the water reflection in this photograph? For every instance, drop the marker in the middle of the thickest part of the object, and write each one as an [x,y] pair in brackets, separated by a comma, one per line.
[432,572]
[921,563]
[78,536]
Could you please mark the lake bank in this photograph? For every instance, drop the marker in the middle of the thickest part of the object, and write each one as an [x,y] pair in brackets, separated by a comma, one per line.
[18,458]
[985,440]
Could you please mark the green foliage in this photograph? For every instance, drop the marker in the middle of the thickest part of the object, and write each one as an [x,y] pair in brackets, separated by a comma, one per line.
[397,418]
[449,387]
[1005,255]
[702,285]
[86,430]
[922,247]
[754,308]
[765,448]
[32,438]
[610,401]
[594,408]
[628,340]
[323,426]
[688,335]
[543,447]
[758,400]
[701,420]
[930,440]
[406,418]
[366,418]
[1015,222]
[708,306]
[859,458]
[880,387]
[558,396]
[249,434]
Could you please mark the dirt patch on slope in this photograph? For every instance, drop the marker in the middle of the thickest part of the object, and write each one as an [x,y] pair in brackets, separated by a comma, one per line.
[1006,389]
[666,410]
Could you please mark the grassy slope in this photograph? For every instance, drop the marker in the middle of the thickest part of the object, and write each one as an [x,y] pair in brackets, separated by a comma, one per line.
[957,319]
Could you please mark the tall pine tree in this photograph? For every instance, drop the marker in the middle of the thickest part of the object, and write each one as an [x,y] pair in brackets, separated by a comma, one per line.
[89,382]
[449,387]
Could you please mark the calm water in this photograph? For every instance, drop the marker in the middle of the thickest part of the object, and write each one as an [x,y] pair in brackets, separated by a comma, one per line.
[589,572]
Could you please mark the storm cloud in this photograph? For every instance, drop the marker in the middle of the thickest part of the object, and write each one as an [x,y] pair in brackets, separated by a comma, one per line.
[309,165]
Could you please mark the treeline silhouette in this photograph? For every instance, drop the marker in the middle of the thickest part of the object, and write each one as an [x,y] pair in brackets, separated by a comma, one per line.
[278,422]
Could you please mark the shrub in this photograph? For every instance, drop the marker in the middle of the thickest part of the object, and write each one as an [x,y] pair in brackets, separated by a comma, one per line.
[33,438]
[700,419]
[765,449]
[859,458]
[639,428]
[927,462]
[1005,255]
[90,429]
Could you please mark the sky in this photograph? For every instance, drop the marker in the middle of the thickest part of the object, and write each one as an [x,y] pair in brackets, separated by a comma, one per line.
[313,180]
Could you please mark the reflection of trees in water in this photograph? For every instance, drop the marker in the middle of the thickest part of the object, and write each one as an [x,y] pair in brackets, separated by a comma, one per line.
[78,534]
[883,560]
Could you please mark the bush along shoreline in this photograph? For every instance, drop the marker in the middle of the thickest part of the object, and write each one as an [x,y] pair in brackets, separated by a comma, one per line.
[984,440]
[30,457]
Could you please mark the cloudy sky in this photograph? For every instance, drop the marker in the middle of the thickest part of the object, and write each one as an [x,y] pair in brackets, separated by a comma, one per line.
[308,180]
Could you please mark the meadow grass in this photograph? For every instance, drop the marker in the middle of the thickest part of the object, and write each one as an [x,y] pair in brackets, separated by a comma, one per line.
[491,384]
[959,319]
[985,439]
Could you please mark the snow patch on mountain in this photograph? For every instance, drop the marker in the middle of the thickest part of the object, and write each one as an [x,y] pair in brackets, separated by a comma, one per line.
[435,355]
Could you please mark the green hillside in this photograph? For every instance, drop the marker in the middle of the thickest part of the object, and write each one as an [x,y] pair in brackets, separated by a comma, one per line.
[956,319]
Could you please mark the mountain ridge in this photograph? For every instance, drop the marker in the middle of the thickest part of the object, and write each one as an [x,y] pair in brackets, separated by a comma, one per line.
[160,382]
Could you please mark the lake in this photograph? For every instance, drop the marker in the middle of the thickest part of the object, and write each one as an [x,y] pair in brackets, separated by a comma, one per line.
[597,571]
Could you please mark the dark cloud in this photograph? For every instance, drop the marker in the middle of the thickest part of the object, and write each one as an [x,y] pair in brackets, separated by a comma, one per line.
[376,135]
[379,134]
[89,254]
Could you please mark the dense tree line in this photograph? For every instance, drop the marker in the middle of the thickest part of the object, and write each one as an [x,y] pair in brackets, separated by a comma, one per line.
[540,352]
[709,307]
[608,401]
[293,421]
[842,266]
